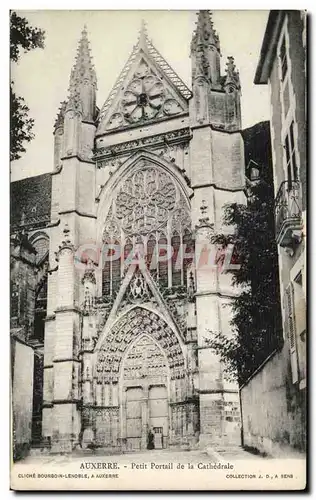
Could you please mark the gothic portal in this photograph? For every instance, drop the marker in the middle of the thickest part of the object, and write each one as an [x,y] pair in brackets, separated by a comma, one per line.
[138,189]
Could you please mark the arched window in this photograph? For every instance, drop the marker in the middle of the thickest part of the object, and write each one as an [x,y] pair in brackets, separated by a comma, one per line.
[188,249]
[40,311]
[149,211]
[128,255]
[151,257]
[163,261]
[111,271]
[106,270]
[116,269]
[40,242]
[176,259]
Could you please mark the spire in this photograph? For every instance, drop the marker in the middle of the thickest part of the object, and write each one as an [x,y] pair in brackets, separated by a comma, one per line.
[205,50]
[83,69]
[83,81]
[205,35]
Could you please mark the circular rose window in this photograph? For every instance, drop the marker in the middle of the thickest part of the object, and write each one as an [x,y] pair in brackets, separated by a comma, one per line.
[143,97]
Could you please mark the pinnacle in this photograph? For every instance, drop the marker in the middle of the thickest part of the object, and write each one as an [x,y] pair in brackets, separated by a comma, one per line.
[232,76]
[205,33]
[60,115]
[83,68]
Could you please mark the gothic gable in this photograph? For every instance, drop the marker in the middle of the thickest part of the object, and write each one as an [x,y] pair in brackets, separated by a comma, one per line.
[148,90]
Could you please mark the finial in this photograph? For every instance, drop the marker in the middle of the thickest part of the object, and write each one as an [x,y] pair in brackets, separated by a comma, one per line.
[230,64]
[84,32]
[143,36]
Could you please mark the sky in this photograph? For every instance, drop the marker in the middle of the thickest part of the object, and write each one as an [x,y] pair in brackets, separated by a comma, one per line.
[42,75]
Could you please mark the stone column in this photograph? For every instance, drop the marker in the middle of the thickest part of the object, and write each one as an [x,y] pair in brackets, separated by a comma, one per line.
[122,418]
[145,417]
[66,365]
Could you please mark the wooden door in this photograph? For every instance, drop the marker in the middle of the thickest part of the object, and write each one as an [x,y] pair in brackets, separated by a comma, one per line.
[134,417]
[158,415]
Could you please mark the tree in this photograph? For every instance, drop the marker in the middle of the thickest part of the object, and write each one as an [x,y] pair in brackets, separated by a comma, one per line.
[22,37]
[256,323]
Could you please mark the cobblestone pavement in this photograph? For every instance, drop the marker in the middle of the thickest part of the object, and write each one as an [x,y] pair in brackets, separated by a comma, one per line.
[157,456]
[229,454]
[236,453]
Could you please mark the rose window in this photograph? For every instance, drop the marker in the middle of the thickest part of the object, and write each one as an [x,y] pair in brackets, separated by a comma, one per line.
[148,213]
[145,200]
[143,97]
[146,97]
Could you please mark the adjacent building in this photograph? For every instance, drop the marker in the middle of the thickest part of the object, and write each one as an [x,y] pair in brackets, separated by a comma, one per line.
[29,244]
[274,399]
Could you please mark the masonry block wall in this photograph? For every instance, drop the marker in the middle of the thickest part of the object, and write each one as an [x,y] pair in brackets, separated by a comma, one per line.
[274,421]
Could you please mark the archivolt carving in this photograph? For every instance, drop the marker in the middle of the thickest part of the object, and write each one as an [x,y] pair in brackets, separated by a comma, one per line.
[137,322]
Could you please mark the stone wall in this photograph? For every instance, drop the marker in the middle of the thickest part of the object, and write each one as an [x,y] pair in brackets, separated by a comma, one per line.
[273,409]
[22,397]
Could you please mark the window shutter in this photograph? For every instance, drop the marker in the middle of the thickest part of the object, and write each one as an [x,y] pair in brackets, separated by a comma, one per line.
[291,327]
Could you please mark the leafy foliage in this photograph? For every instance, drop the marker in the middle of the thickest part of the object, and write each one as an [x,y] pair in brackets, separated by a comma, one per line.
[256,323]
[21,125]
[22,37]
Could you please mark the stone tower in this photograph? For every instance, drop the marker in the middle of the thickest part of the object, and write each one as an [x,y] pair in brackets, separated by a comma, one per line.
[138,190]
[72,222]
[217,178]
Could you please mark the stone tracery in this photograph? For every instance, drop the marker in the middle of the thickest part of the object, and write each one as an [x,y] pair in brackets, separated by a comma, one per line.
[148,214]
[146,97]
[145,200]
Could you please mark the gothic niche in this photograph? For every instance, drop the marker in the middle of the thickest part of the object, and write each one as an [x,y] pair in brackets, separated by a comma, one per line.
[145,98]
[148,216]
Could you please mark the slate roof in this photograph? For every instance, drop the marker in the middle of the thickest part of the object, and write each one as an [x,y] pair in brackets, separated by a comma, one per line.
[30,202]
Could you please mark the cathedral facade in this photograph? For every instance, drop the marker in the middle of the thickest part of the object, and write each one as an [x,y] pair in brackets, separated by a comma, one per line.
[134,293]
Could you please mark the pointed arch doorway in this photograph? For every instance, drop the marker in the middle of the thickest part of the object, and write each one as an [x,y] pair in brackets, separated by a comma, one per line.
[145,385]
[140,382]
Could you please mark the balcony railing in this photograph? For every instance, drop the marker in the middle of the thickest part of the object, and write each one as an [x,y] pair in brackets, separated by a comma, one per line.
[288,214]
